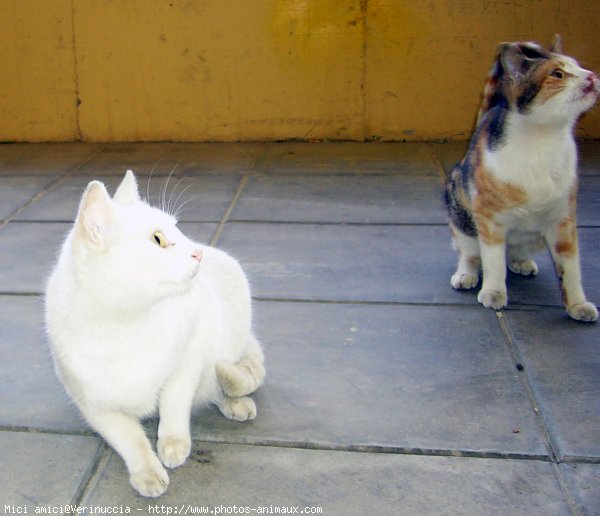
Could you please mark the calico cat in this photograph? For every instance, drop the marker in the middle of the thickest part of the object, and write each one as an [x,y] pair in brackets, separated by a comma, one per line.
[141,321]
[515,190]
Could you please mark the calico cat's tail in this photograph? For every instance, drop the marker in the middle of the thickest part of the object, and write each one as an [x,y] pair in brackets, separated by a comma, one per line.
[244,377]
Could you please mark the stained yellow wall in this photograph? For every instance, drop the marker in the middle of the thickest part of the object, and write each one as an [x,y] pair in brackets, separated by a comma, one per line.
[194,70]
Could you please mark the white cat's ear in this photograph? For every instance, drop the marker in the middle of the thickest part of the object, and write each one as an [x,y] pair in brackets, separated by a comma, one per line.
[127,193]
[95,215]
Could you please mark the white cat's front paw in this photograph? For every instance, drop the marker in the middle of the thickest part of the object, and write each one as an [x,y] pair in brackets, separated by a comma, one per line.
[151,482]
[464,281]
[495,299]
[238,409]
[523,267]
[173,451]
[585,312]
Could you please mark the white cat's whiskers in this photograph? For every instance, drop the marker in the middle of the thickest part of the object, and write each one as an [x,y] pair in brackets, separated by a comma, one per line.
[148,182]
[175,209]
[163,195]
[181,206]
[169,203]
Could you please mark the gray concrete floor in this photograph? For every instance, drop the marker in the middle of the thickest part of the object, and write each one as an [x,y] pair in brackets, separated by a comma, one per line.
[387,392]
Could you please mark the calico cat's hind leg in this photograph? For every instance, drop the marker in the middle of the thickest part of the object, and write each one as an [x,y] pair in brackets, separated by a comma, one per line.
[519,260]
[469,261]
[244,377]
[524,267]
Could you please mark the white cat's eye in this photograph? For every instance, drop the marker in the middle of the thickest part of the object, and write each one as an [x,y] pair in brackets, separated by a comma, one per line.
[159,239]
[559,74]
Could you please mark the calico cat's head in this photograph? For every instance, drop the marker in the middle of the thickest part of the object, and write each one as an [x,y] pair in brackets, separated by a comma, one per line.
[128,253]
[546,85]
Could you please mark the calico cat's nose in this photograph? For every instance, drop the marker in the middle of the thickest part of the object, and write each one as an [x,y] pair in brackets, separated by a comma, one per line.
[197,254]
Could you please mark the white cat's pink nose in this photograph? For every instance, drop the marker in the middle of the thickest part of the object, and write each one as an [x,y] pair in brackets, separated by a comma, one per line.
[197,254]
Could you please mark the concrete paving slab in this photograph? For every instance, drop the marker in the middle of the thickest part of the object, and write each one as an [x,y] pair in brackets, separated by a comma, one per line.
[16,191]
[44,158]
[346,262]
[385,376]
[394,365]
[583,481]
[341,198]
[28,253]
[562,359]
[218,478]
[41,241]
[42,470]
[164,158]
[342,158]
[588,201]
[31,396]
[201,199]
[589,158]
[379,263]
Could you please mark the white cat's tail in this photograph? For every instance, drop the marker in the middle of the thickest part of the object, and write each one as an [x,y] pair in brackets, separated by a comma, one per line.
[244,377]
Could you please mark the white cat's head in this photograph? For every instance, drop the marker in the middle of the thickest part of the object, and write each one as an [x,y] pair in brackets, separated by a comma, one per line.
[127,253]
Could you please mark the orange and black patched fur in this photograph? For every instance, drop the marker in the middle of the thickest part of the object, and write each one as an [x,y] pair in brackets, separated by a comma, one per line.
[515,190]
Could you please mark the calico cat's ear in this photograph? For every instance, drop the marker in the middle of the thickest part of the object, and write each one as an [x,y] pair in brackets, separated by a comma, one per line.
[127,193]
[95,215]
[556,44]
[514,62]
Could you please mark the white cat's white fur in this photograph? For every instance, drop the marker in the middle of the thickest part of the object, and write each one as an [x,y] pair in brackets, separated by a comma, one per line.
[142,321]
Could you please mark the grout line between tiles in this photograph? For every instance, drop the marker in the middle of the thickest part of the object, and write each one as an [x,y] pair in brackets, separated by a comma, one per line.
[566,492]
[241,186]
[549,441]
[60,179]
[234,201]
[381,449]
[515,354]
[99,459]
[36,430]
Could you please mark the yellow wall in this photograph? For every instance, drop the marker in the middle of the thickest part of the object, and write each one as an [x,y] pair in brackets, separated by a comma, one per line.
[135,70]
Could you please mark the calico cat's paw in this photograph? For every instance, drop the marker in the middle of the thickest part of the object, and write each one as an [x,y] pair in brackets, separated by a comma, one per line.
[238,409]
[151,482]
[173,451]
[523,267]
[464,281]
[495,299]
[585,312]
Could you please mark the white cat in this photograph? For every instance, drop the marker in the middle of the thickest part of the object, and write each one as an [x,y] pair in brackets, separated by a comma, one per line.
[142,320]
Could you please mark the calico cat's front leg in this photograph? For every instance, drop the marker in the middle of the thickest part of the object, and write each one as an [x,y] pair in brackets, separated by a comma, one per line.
[126,435]
[493,260]
[563,245]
